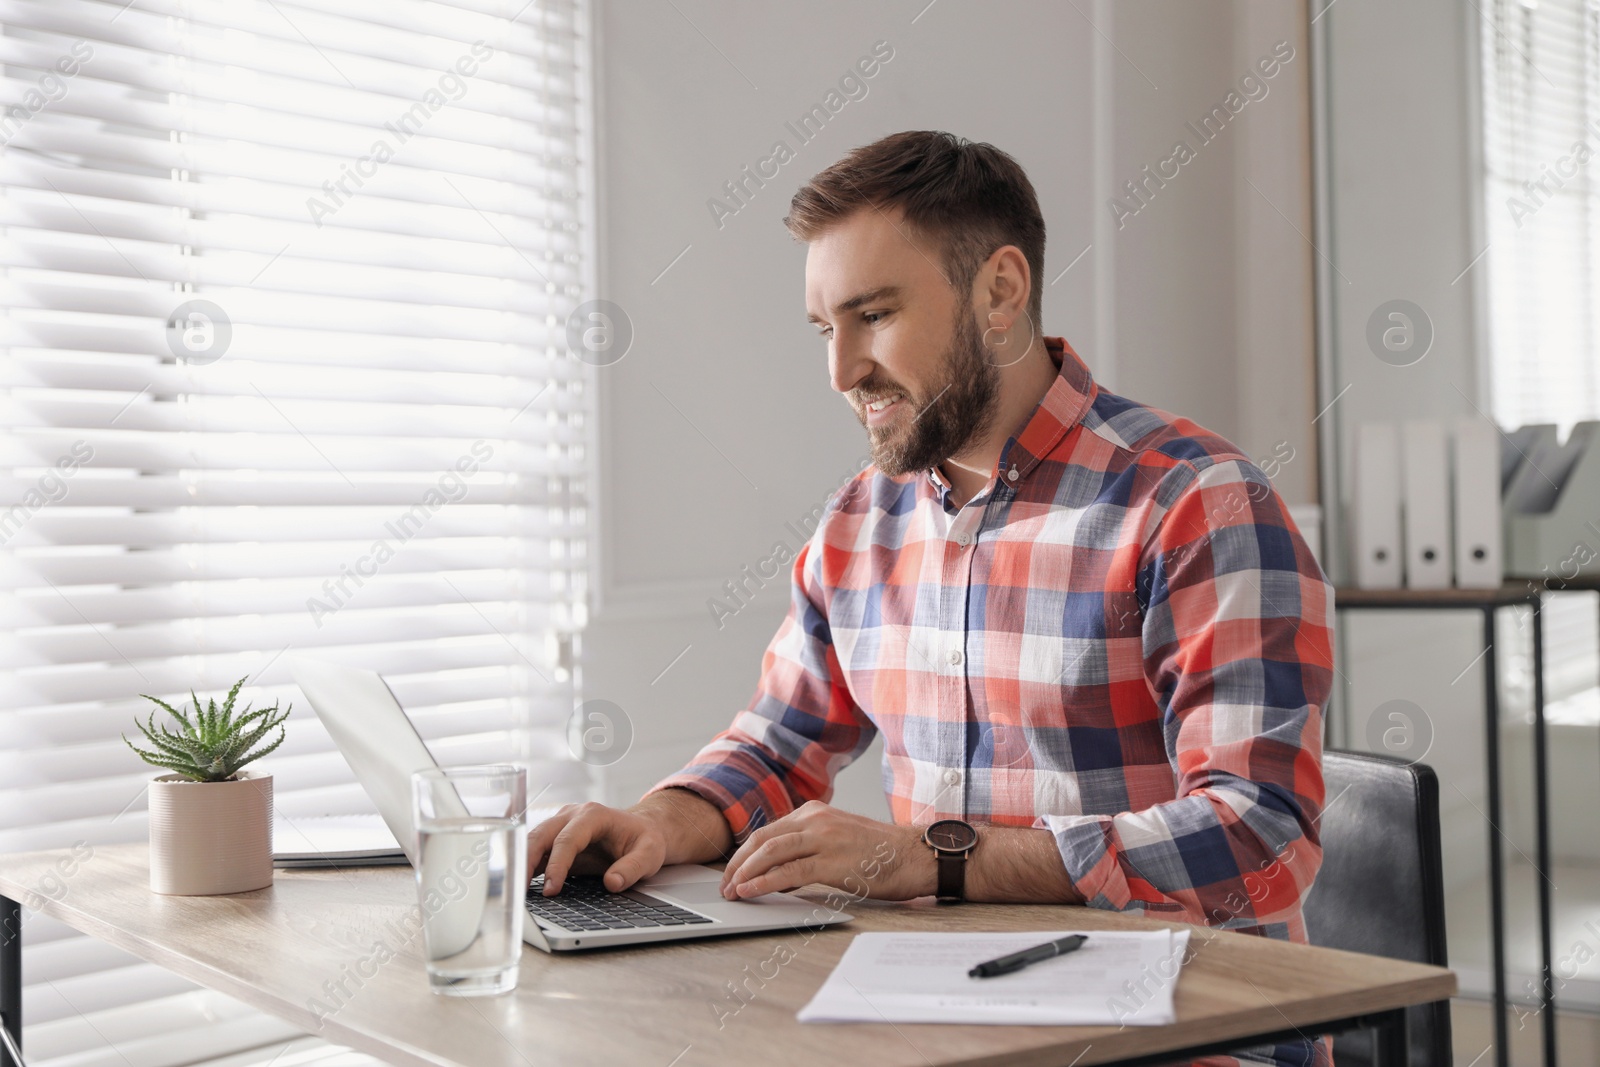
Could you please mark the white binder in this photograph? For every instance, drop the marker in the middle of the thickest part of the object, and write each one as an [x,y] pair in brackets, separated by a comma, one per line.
[1425,505]
[1520,445]
[1377,506]
[1480,558]
[1552,507]
[1540,478]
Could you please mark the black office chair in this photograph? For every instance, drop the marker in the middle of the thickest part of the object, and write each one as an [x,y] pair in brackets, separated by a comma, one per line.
[1381,887]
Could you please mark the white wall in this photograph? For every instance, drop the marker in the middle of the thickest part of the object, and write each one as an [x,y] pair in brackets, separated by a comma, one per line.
[1402,181]
[718,428]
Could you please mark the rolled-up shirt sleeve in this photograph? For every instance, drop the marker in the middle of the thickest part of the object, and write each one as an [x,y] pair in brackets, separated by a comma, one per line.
[801,728]
[1237,640]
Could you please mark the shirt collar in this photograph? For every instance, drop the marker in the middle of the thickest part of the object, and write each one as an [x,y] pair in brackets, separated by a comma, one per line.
[1061,409]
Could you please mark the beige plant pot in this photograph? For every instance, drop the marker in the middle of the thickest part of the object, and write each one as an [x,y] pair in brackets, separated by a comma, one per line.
[210,837]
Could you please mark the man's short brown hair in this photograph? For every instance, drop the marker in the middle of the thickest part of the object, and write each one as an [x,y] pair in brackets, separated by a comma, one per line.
[967,198]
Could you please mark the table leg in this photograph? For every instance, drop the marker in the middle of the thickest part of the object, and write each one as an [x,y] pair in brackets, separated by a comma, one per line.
[11,980]
[1541,823]
[1389,1044]
[1497,912]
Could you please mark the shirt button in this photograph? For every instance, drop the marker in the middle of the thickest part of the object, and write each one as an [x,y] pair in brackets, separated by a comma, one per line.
[1013,474]
[963,540]
[955,657]
[952,777]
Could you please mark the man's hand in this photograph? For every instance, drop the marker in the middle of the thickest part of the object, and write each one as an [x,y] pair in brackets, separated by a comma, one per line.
[671,826]
[818,843]
[590,838]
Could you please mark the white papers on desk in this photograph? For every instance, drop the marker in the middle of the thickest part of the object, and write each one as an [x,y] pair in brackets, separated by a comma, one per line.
[355,840]
[360,839]
[1116,977]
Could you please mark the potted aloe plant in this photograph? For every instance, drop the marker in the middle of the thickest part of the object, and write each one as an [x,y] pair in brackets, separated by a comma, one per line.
[210,822]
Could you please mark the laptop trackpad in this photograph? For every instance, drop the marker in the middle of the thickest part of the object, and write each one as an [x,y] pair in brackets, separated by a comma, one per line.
[693,892]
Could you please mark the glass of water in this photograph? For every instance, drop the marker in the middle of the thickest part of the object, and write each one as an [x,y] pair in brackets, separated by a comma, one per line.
[472,852]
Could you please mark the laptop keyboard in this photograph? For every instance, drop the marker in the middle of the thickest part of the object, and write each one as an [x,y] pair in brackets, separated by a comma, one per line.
[584,903]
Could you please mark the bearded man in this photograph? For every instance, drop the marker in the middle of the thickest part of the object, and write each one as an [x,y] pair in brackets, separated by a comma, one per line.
[1094,643]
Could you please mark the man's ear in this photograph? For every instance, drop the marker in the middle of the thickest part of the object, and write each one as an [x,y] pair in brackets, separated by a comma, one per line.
[1003,288]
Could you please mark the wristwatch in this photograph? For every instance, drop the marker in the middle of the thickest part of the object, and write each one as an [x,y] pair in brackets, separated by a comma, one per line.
[952,841]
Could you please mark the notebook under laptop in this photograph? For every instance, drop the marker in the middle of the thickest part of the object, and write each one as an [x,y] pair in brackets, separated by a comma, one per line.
[680,901]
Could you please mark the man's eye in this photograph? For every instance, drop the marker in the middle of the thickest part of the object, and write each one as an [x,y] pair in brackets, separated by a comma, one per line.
[873,317]
[825,333]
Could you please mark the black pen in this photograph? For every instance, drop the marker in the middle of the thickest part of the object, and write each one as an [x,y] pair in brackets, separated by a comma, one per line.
[1018,960]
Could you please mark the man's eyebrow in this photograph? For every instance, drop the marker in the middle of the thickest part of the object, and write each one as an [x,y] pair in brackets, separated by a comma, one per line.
[882,292]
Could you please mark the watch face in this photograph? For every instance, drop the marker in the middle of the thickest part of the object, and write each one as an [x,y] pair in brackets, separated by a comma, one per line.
[951,835]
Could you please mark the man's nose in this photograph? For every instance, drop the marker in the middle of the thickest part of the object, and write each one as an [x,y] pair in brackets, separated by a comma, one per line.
[849,364]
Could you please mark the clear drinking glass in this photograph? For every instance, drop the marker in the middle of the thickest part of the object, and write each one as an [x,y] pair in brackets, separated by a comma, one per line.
[472,852]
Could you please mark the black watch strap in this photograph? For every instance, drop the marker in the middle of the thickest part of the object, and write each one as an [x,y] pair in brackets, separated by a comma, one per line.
[952,875]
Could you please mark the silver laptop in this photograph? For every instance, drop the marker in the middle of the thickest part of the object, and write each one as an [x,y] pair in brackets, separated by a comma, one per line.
[680,901]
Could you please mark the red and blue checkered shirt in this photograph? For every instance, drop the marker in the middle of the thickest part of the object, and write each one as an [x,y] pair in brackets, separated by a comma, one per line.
[1123,639]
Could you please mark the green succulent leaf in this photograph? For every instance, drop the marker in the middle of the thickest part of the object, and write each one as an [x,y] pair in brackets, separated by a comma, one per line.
[180,716]
[211,744]
[168,743]
[257,755]
[179,766]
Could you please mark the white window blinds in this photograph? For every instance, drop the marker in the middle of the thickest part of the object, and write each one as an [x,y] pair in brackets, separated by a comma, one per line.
[283,370]
[1541,97]
[1541,138]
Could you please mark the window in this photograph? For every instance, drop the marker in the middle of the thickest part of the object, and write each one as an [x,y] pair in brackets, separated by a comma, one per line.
[1541,137]
[1541,91]
[284,372]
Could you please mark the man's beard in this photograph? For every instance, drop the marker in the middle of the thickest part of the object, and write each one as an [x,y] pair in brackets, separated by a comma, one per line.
[940,424]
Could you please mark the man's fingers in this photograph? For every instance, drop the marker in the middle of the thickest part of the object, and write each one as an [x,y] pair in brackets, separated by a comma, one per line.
[805,815]
[778,850]
[631,867]
[744,851]
[573,839]
[540,837]
[790,875]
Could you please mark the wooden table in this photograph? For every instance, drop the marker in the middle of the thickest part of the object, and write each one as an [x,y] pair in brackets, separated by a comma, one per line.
[311,937]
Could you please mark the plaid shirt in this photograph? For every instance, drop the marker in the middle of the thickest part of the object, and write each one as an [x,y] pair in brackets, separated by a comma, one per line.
[1123,639]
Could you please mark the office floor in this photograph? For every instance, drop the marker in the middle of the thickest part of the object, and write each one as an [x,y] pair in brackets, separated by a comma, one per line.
[1472,1034]
[1575,929]
[1576,939]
